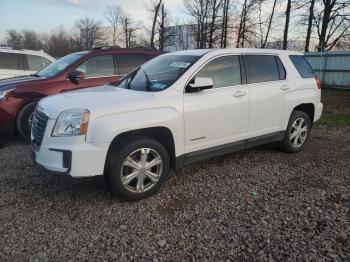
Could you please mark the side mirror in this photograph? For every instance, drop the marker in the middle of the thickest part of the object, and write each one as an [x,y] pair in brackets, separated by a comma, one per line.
[199,83]
[76,75]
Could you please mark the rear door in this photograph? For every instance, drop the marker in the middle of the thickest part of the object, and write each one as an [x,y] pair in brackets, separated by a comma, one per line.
[217,116]
[10,65]
[98,70]
[266,78]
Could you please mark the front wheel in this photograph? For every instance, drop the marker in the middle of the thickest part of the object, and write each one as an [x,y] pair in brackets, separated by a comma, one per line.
[24,120]
[138,169]
[297,132]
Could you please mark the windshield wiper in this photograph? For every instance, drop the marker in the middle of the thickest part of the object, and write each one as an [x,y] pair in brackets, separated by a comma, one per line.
[35,75]
[148,81]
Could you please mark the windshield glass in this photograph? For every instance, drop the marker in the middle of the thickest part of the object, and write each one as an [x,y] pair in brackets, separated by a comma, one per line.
[157,74]
[57,67]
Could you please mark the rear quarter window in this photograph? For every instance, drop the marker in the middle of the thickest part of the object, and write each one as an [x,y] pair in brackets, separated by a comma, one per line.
[128,62]
[36,63]
[303,67]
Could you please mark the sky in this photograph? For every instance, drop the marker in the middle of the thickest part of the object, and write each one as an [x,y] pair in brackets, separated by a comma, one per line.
[45,15]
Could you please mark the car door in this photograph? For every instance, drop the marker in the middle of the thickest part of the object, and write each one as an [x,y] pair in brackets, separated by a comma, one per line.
[219,115]
[266,78]
[98,70]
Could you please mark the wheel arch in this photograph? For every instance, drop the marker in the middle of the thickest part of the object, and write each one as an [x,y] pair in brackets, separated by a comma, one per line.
[18,112]
[160,133]
[309,109]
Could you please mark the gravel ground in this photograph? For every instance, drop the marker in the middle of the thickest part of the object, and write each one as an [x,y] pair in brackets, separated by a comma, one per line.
[258,204]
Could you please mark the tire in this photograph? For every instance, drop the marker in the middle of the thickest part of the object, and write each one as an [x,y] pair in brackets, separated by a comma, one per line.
[127,160]
[23,118]
[296,135]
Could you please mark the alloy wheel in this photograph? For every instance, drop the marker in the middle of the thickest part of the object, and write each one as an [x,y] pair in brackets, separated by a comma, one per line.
[298,132]
[141,170]
[30,120]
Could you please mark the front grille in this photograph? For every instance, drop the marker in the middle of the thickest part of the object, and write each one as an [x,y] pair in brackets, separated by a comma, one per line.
[38,128]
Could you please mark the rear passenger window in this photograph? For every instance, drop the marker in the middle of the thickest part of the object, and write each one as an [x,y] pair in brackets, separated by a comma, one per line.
[224,71]
[36,63]
[261,68]
[8,61]
[128,62]
[98,66]
[303,67]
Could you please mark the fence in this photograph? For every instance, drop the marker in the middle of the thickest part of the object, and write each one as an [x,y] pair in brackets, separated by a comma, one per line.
[333,68]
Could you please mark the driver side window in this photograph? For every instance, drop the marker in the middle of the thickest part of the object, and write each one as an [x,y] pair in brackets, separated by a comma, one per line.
[224,71]
[98,66]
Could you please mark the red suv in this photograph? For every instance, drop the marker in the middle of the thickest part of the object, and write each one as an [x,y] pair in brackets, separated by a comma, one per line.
[19,95]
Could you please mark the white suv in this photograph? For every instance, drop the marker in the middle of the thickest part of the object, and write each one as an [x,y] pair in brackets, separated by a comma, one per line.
[176,109]
[18,62]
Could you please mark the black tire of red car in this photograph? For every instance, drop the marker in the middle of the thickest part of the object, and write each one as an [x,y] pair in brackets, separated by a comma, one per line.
[286,144]
[116,164]
[23,126]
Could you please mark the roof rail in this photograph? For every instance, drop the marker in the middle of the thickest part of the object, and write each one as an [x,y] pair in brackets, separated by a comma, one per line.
[105,47]
[118,47]
[9,47]
[144,47]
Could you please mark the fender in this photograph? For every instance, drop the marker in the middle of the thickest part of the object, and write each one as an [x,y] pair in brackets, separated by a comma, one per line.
[105,128]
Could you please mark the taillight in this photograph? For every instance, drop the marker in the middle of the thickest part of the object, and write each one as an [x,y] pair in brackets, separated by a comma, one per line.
[318,82]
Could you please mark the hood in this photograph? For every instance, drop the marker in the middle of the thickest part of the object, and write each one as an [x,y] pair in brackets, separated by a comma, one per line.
[13,82]
[98,100]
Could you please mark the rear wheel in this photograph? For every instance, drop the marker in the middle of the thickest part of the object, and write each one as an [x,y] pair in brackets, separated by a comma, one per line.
[138,169]
[24,120]
[297,132]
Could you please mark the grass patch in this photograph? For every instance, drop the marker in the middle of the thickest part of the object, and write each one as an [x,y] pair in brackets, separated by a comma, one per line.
[336,112]
[334,120]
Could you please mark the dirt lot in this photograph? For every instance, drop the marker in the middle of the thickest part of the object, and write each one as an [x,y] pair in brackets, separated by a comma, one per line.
[301,209]
[258,204]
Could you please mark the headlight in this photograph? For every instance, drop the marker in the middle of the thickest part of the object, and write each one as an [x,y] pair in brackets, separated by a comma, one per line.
[71,123]
[3,94]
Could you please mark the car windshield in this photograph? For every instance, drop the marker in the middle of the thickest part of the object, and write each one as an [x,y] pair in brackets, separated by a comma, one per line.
[58,66]
[157,74]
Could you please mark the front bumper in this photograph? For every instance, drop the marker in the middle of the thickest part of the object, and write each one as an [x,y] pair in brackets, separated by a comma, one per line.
[70,155]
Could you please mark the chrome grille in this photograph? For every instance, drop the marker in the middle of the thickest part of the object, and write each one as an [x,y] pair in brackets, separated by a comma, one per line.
[38,128]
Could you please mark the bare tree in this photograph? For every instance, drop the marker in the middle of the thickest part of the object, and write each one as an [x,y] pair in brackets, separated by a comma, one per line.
[162,29]
[286,25]
[58,43]
[246,29]
[309,25]
[112,15]
[199,9]
[27,39]
[129,30]
[31,40]
[215,6]
[89,33]
[332,22]
[269,22]
[166,36]
[155,13]
[225,20]
[14,38]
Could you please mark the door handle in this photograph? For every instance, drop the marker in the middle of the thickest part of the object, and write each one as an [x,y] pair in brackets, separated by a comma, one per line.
[285,87]
[239,93]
